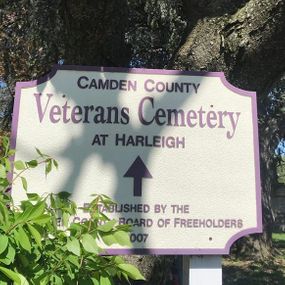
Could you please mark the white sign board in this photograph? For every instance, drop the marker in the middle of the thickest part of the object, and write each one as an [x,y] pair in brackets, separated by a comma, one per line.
[178,152]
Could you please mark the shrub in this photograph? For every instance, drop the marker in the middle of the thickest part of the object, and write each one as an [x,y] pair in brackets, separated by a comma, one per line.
[35,250]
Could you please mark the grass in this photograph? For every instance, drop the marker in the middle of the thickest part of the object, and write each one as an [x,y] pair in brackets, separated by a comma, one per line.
[257,272]
[279,241]
[236,272]
[281,171]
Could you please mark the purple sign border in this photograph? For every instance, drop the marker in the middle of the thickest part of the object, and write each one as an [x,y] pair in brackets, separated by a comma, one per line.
[162,251]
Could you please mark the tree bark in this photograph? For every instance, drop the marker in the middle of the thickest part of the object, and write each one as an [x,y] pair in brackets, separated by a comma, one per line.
[35,35]
[246,42]
[245,39]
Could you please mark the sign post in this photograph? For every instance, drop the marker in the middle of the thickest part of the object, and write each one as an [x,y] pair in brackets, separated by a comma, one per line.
[202,270]
[177,151]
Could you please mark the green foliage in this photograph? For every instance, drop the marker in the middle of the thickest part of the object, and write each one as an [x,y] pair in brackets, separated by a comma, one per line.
[155,31]
[281,170]
[35,250]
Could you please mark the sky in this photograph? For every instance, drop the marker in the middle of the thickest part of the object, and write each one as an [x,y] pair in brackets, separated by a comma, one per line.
[2,84]
[280,149]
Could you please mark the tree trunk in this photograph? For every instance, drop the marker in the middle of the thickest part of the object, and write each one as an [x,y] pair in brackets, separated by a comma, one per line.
[245,41]
[35,35]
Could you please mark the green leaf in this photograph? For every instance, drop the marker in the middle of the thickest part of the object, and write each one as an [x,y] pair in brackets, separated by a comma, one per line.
[122,238]
[65,219]
[9,255]
[86,281]
[3,213]
[3,243]
[107,227]
[2,171]
[5,144]
[125,275]
[48,166]
[107,201]
[24,183]
[25,262]
[74,260]
[11,275]
[104,280]
[37,210]
[55,163]
[56,280]
[26,207]
[8,164]
[43,279]
[41,220]
[132,271]
[31,212]
[23,280]
[23,239]
[75,228]
[19,165]
[95,281]
[4,184]
[53,201]
[32,163]
[73,246]
[11,152]
[108,239]
[89,244]
[35,234]
[119,260]
[33,196]
[64,195]
[39,152]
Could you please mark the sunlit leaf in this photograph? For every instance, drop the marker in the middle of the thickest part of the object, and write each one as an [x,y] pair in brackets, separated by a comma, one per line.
[24,183]
[104,280]
[2,171]
[89,244]
[23,239]
[3,243]
[8,256]
[37,210]
[8,164]
[43,219]
[74,260]
[3,213]
[36,235]
[19,165]
[132,271]
[108,239]
[122,238]
[11,275]
[73,246]
[108,226]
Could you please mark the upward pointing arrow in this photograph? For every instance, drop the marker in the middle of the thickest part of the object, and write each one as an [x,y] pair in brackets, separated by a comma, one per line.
[138,171]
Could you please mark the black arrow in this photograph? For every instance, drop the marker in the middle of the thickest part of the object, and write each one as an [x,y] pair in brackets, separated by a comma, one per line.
[138,171]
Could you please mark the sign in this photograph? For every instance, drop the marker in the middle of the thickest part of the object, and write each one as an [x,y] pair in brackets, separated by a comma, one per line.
[178,152]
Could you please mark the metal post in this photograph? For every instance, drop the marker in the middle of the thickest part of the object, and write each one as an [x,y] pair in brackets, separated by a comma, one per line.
[202,270]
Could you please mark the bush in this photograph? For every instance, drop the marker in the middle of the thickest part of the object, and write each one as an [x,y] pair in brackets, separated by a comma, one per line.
[35,250]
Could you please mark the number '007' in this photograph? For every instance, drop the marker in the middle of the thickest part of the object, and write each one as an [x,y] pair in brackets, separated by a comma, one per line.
[138,237]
